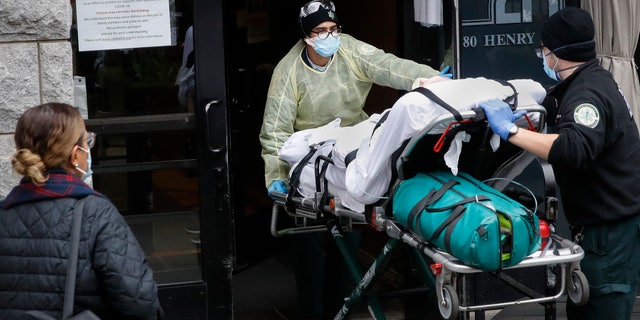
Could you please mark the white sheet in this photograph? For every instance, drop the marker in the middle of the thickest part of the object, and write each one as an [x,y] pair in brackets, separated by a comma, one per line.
[333,141]
[366,179]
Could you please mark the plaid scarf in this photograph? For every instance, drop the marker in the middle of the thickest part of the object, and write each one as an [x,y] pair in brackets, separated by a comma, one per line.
[61,184]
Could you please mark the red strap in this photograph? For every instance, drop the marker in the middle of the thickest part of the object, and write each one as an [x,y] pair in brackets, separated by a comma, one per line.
[531,126]
[440,143]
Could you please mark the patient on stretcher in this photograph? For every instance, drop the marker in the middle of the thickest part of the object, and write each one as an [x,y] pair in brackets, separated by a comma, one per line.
[362,170]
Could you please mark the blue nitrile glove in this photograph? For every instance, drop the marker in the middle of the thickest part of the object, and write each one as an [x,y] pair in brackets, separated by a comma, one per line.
[500,116]
[445,72]
[277,186]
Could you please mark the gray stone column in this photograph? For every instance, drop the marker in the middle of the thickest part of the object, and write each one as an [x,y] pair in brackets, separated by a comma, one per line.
[36,66]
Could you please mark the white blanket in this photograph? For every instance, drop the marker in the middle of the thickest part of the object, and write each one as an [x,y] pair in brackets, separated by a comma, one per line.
[366,179]
[333,141]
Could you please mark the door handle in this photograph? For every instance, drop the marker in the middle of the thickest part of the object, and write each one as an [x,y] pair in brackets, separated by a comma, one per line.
[209,124]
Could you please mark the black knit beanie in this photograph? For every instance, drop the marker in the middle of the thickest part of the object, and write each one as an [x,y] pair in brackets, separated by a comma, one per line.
[571,32]
[310,20]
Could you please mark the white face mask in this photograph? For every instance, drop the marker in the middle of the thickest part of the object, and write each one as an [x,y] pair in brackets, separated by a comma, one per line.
[325,47]
[85,174]
[551,72]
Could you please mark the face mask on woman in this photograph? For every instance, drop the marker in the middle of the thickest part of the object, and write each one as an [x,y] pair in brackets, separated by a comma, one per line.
[89,172]
[325,47]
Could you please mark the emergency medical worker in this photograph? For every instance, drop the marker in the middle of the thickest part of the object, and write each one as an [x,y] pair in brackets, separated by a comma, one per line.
[326,75]
[594,150]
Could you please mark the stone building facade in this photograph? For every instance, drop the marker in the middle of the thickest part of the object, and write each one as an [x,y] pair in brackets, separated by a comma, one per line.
[36,66]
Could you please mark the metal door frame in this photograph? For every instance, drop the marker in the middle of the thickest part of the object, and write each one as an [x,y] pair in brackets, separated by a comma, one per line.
[212,127]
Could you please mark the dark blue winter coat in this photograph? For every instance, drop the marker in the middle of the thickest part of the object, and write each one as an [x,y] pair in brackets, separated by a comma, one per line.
[113,280]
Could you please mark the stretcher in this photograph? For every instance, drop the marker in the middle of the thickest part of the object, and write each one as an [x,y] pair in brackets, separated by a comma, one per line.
[324,213]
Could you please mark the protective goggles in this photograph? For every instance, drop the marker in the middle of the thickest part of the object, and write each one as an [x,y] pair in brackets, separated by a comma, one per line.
[313,6]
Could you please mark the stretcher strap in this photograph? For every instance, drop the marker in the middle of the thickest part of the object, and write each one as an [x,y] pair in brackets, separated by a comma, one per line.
[531,126]
[476,198]
[454,216]
[432,196]
[458,209]
[350,157]
[321,171]
[433,97]
[440,143]
[322,184]
[450,224]
[511,100]
[294,180]
[380,122]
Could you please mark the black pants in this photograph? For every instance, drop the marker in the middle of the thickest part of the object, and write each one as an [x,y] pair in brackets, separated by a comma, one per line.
[611,264]
[323,279]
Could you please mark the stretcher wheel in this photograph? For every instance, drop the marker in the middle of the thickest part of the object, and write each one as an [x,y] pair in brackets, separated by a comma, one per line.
[449,304]
[578,288]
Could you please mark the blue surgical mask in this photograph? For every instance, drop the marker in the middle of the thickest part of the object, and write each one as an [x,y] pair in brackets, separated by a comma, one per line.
[326,47]
[89,172]
[550,72]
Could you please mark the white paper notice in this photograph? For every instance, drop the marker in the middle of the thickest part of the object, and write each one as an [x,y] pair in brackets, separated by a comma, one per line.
[122,24]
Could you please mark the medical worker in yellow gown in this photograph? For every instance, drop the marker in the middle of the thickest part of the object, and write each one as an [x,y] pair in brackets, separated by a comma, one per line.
[326,75]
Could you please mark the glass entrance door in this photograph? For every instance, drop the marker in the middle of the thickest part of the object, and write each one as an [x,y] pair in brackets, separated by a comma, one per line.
[187,176]
[145,159]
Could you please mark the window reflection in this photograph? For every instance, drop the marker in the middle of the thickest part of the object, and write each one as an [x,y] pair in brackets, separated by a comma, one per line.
[540,10]
[513,6]
[519,11]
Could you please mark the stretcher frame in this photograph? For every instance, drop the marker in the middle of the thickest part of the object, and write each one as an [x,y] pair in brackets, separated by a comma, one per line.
[324,213]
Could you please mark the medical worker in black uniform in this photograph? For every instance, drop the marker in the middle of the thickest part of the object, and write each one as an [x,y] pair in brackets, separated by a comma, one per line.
[594,148]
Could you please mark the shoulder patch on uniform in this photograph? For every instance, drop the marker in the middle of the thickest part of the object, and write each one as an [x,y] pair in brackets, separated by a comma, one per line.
[587,115]
[366,49]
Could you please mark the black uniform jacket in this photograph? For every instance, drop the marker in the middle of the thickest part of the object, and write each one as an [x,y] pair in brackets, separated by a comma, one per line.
[596,158]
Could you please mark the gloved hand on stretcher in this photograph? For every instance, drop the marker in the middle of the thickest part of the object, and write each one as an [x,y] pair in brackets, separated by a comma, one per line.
[277,186]
[446,72]
[500,116]
[444,75]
